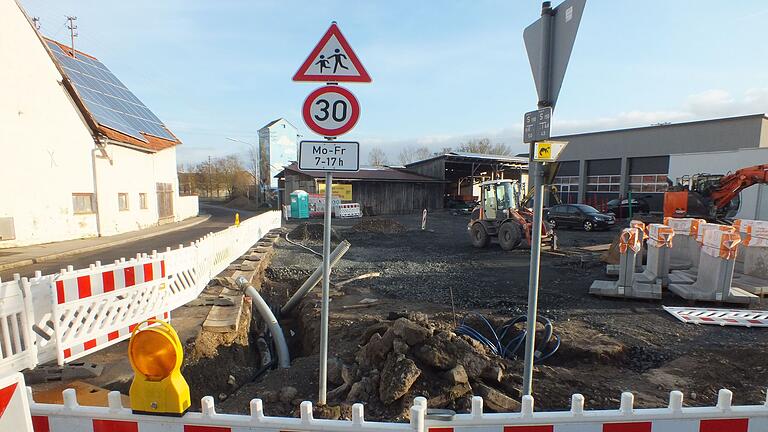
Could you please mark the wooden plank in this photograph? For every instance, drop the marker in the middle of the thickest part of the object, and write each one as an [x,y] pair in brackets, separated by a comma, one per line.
[224,319]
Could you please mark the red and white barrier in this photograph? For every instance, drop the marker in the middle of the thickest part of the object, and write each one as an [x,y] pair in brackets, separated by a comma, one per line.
[72,313]
[71,417]
[350,210]
[14,404]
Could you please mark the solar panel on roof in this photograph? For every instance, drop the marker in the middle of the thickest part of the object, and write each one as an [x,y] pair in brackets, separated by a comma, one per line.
[108,100]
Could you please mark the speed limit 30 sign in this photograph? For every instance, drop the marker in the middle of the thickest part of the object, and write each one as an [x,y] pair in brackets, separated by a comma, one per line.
[331,111]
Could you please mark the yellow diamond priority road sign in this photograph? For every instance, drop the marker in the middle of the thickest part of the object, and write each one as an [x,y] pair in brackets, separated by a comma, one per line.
[548,151]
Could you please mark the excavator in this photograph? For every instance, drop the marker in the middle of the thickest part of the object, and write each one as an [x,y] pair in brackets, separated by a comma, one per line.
[710,196]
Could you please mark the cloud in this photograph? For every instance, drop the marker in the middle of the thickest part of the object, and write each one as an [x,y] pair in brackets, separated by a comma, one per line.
[704,105]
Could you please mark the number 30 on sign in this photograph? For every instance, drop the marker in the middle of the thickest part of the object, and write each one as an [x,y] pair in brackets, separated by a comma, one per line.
[331,111]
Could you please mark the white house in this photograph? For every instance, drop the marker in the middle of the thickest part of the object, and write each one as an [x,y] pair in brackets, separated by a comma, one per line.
[81,156]
[278,147]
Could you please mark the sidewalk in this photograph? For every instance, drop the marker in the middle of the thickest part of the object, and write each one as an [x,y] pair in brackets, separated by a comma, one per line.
[27,255]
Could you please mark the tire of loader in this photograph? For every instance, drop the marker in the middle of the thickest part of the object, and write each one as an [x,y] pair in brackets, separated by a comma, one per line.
[509,236]
[479,236]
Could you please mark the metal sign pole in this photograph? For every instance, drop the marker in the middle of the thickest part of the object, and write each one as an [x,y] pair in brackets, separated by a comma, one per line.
[537,170]
[326,289]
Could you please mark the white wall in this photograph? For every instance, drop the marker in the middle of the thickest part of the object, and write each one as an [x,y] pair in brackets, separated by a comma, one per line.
[754,200]
[44,143]
[133,172]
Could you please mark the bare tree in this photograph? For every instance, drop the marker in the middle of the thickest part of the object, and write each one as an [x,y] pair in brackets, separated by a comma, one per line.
[484,146]
[406,156]
[377,157]
[422,153]
[412,154]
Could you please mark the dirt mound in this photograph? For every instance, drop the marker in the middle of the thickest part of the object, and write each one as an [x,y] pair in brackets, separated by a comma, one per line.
[242,203]
[382,226]
[311,231]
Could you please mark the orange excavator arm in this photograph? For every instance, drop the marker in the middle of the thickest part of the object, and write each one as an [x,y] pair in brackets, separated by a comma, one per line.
[730,185]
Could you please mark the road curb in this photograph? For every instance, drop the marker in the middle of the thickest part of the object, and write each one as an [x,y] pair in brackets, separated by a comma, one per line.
[51,257]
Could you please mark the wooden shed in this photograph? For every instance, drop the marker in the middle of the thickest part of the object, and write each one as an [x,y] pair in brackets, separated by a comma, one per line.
[378,190]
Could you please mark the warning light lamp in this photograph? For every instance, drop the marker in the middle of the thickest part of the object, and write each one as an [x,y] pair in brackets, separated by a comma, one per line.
[156,354]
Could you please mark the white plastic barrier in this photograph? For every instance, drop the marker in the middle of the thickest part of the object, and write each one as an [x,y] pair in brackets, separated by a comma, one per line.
[71,417]
[351,210]
[17,349]
[72,313]
[14,404]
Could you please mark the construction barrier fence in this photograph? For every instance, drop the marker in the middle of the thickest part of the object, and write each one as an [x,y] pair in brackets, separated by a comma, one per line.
[72,417]
[67,315]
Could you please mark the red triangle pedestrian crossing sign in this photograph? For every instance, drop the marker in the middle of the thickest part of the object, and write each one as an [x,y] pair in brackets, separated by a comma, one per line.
[332,60]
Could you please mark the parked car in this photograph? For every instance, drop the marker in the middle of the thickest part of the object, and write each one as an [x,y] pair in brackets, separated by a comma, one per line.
[620,208]
[579,215]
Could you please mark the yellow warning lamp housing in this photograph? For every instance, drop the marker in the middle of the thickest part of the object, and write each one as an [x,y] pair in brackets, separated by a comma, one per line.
[156,354]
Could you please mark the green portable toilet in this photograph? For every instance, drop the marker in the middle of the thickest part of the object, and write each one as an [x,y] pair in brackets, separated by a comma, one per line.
[299,205]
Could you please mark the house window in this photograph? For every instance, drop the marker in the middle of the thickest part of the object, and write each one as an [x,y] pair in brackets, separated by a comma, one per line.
[143,201]
[648,183]
[604,183]
[83,203]
[122,201]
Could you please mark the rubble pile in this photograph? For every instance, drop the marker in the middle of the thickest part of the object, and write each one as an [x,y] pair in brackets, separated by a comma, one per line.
[380,226]
[408,357]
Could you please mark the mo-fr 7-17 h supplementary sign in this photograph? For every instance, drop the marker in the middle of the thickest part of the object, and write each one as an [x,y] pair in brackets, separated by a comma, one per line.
[329,156]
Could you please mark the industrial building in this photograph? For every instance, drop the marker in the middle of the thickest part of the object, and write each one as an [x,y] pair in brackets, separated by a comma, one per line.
[596,167]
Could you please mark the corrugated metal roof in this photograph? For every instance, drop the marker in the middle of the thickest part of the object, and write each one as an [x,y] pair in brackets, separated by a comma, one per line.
[501,158]
[367,173]
[475,157]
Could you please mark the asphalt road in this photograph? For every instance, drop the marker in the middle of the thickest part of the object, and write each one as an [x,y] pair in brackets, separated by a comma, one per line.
[221,218]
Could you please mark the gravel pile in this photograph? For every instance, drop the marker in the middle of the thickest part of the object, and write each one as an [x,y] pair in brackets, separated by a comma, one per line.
[381,226]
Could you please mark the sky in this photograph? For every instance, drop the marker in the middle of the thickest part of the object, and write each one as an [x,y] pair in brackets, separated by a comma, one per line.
[444,72]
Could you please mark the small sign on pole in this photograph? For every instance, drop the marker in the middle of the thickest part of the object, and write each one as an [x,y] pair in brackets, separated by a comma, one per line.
[548,151]
[424,220]
[329,156]
[537,125]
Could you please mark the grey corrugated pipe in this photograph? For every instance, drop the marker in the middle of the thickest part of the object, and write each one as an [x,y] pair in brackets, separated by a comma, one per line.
[283,356]
[314,279]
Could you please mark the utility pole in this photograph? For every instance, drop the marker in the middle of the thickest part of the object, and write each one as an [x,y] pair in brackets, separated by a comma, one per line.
[36,22]
[210,178]
[72,31]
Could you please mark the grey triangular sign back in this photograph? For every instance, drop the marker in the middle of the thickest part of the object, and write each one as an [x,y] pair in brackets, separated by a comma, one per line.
[565,24]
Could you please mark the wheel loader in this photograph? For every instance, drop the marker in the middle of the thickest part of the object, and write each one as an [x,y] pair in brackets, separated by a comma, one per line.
[501,216]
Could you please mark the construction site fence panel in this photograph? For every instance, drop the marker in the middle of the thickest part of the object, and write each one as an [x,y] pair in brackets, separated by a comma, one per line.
[71,417]
[67,315]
